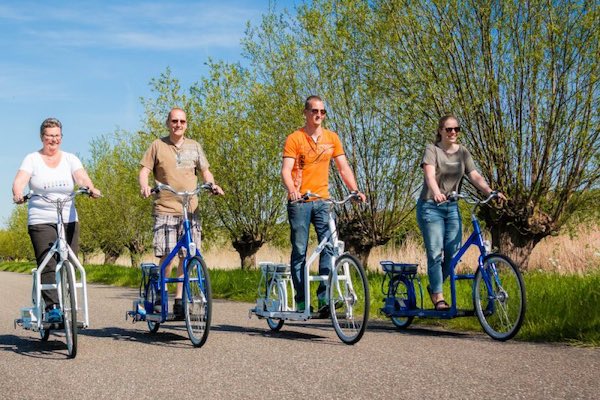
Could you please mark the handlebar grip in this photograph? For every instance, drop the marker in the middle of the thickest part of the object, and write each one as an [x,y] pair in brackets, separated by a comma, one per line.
[154,190]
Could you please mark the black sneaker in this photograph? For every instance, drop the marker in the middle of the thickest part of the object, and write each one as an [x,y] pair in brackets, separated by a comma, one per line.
[178,308]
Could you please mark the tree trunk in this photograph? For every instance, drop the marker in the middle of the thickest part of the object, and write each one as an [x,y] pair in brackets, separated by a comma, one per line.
[247,247]
[110,257]
[360,251]
[515,244]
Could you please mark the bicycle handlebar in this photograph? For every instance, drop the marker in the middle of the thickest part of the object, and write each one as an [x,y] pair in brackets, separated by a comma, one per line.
[162,186]
[308,195]
[454,196]
[70,196]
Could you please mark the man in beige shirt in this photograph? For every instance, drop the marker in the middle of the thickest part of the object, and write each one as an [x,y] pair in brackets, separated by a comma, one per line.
[176,161]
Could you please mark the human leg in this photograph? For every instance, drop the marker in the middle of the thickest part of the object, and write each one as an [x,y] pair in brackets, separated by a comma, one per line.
[452,237]
[299,219]
[431,223]
[320,219]
[42,238]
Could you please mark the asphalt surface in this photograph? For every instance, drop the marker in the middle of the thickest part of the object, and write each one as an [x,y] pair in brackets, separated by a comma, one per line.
[242,359]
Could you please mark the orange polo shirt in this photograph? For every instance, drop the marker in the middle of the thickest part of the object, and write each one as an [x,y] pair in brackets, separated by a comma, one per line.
[311,167]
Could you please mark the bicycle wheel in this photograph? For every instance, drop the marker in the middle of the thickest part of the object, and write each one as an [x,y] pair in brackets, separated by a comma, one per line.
[499,297]
[402,300]
[152,295]
[276,295]
[349,299]
[197,301]
[69,308]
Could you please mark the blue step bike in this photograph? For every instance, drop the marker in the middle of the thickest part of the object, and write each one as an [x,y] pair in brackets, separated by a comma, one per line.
[152,305]
[498,289]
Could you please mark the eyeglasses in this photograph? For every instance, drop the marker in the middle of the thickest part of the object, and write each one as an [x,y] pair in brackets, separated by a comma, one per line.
[316,111]
[454,128]
[181,121]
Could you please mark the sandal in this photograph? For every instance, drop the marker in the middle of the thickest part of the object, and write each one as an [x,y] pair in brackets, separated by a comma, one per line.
[441,305]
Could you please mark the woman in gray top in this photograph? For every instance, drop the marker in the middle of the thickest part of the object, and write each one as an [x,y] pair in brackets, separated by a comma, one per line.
[444,164]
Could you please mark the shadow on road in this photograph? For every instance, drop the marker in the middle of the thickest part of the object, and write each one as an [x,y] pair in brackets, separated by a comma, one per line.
[416,330]
[53,349]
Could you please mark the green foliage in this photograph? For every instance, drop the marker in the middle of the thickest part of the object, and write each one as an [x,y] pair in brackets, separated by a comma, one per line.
[525,86]
[121,219]
[14,241]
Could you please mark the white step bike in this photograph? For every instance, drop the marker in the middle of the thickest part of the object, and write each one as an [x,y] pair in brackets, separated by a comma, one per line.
[67,285]
[346,287]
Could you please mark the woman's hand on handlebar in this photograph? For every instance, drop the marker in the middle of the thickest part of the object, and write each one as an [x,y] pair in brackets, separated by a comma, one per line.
[439,198]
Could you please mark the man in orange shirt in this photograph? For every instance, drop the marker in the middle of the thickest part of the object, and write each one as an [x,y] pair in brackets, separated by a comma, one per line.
[306,157]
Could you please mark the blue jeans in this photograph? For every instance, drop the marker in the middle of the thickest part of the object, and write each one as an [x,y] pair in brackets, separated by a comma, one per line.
[441,227]
[300,216]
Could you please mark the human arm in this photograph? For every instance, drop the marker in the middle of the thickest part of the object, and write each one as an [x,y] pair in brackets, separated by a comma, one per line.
[479,182]
[208,177]
[286,176]
[21,180]
[348,176]
[82,179]
[143,175]
[429,172]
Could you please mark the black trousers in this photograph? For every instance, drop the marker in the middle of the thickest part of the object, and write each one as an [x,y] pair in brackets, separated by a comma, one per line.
[42,238]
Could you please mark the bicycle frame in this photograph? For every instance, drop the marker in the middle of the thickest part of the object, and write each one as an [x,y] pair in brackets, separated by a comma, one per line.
[32,316]
[186,242]
[332,241]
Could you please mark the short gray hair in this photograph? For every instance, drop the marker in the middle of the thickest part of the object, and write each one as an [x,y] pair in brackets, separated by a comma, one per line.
[50,123]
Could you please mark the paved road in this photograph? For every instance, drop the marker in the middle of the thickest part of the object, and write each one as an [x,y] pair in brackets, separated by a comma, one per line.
[243,360]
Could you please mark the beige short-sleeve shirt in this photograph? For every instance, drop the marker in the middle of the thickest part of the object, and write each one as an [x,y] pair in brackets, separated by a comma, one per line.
[177,167]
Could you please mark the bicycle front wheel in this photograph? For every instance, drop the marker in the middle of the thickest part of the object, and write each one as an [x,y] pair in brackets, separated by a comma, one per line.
[69,308]
[499,297]
[349,299]
[197,301]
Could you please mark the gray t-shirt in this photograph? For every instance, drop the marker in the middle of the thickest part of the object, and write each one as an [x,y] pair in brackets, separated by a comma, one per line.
[449,169]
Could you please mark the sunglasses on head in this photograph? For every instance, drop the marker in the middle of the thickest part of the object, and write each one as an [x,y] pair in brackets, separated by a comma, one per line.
[315,111]
[454,128]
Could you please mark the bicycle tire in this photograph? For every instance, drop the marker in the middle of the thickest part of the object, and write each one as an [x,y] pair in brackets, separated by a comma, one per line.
[502,317]
[401,297]
[349,299]
[151,296]
[276,324]
[197,301]
[69,308]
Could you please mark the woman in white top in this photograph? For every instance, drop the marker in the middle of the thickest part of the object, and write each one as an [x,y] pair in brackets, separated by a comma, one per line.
[53,173]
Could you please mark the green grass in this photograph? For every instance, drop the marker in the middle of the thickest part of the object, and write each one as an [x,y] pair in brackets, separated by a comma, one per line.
[560,308]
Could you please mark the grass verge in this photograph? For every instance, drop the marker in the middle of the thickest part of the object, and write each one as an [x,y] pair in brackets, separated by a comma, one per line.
[560,308]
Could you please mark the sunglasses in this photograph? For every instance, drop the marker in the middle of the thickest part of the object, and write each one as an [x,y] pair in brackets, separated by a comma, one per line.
[181,121]
[316,111]
[456,128]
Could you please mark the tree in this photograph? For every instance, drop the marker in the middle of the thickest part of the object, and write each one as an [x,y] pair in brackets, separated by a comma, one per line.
[14,241]
[121,219]
[332,49]
[236,122]
[523,79]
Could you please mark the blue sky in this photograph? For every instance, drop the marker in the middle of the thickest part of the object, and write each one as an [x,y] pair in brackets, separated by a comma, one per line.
[88,63]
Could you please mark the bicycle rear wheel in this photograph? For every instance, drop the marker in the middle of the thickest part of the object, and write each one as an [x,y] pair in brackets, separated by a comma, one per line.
[152,296]
[402,299]
[197,301]
[499,300]
[349,299]
[277,295]
[69,308]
